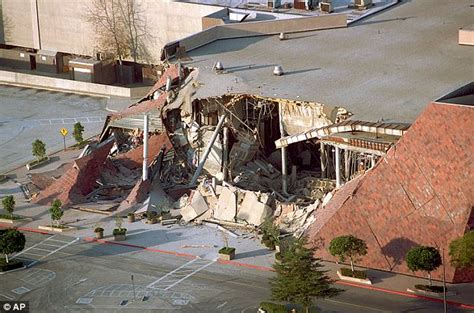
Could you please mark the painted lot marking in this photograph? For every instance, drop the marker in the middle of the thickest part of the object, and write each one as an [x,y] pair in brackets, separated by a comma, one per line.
[43,249]
[178,275]
[70,120]
[7,297]
[20,290]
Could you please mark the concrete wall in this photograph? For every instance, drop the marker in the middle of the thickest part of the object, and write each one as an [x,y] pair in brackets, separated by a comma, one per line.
[263,28]
[50,83]
[62,26]
[17,23]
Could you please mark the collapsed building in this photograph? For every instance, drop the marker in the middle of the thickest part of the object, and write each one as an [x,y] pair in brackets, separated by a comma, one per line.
[238,159]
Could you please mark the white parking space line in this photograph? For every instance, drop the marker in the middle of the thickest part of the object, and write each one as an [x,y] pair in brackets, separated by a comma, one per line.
[57,240]
[180,274]
[35,248]
[6,297]
[190,274]
[170,273]
[30,253]
[43,246]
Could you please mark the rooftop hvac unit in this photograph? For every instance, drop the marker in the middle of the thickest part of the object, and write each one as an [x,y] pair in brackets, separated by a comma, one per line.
[325,7]
[362,4]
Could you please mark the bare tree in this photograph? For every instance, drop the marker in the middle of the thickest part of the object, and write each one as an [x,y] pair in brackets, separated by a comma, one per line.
[121,29]
[136,29]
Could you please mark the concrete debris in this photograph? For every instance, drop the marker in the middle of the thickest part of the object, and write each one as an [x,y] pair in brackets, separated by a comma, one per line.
[327,198]
[169,221]
[195,207]
[227,205]
[252,210]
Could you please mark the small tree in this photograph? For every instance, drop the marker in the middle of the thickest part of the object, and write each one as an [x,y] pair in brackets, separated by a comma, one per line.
[423,258]
[271,233]
[348,247]
[77,132]
[39,149]
[11,241]
[9,205]
[461,251]
[299,277]
[56,212]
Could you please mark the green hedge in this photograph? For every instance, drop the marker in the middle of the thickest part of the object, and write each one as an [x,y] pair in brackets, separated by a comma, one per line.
[356,274]
[437,289]
[270,307]
[9,217]
[227,250]
[13,264]
[119,231]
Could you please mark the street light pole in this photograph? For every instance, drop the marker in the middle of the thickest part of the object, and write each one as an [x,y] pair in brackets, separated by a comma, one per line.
[133,286]
[444,282]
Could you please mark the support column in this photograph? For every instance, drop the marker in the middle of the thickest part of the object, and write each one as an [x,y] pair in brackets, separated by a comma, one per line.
[338,168]
[145,147]
[323,158]
[225,152]
[284,167]
[208,149]
[346,165]
[372,161]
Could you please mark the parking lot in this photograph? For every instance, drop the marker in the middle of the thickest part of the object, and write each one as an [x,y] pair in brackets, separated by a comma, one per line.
[69,275]
[28,114]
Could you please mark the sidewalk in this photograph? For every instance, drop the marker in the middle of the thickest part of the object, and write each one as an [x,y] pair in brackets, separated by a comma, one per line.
[192,241]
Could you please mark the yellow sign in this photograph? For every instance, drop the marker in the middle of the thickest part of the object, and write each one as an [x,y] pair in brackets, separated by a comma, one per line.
[63,132]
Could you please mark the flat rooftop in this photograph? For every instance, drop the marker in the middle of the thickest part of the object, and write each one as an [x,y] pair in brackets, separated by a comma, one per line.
[387,66]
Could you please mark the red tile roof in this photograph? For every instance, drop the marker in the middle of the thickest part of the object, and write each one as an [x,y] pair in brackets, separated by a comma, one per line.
[420,193]
[78,181]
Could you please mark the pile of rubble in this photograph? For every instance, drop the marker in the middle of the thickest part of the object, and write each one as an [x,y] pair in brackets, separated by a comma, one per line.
[213,158]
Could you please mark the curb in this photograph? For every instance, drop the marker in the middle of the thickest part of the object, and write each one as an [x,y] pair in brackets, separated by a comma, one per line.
[32,230]
[406,294]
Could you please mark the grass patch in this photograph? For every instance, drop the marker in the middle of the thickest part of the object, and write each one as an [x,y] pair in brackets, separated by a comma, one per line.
[13,264]
[271,307]
[437,289]
[227,250]
[9,217]
[356,274]
[58,226]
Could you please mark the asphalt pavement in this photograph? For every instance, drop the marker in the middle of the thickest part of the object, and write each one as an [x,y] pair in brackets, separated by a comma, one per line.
[80,276]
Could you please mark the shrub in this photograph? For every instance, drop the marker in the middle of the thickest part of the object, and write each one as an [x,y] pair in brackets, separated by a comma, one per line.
[227,250]
[356,274]
[423,258]
[56,212]
[438,289]
[9,205]
[119,231]
[271,307]
[98,230]
[38,149]
[77,132]
[348,247]
[461,251]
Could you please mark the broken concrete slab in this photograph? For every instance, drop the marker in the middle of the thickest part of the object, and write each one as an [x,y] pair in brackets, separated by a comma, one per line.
[327,198]
[196,206]
[226,206]
[252,210]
